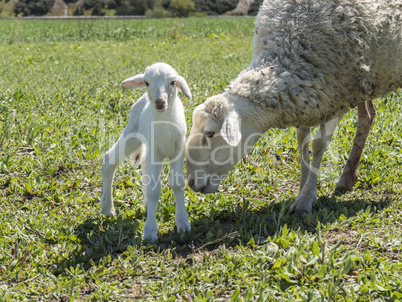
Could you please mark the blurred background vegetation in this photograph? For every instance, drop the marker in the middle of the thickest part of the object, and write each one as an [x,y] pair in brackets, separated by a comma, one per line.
[149,8]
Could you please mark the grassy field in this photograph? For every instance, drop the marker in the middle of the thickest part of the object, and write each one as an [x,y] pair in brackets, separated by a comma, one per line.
[61,108]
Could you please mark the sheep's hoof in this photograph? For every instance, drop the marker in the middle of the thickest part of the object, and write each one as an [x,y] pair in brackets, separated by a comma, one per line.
[344,185]
[298,211]
[339,191]
[302,205]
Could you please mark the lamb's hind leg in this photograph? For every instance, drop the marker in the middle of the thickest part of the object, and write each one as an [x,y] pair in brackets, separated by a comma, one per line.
[151,181]
[127,144]
[308,193]
[365,115]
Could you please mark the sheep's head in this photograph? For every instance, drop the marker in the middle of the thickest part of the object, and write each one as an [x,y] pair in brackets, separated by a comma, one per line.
[161,82]
[217,141]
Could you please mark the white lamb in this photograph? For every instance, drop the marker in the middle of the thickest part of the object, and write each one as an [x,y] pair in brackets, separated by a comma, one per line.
[313,61]
[156,130]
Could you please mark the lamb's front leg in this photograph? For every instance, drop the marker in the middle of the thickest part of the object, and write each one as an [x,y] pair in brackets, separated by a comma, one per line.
[151,180]
[308,194]
[177,182]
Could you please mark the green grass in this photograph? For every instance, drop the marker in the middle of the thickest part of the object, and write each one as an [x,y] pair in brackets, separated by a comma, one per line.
[61,108]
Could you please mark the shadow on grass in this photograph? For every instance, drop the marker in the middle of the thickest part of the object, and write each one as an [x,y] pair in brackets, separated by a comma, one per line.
[101,239]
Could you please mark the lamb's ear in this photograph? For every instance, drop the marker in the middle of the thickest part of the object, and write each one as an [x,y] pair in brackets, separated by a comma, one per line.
[181,84]
[134,82]
[230,130]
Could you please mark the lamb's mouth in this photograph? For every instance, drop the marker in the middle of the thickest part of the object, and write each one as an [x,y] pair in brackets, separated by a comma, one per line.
[162,109]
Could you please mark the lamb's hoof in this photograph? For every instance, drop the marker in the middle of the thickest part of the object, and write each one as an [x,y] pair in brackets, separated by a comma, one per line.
[150,238]
[150,232]
[109,213]
[107,208]
[182,220]
[183,226]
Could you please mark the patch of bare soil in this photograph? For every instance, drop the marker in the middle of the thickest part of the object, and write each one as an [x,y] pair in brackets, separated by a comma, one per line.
[352,240]
[198,255]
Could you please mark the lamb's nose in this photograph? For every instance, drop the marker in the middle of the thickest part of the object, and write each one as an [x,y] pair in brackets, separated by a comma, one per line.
[160,103]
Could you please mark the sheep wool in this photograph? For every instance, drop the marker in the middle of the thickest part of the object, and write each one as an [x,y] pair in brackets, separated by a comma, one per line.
[313,60]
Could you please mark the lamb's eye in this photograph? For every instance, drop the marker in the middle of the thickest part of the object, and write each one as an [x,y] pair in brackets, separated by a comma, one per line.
[146,84]
[209,133]
[173,83]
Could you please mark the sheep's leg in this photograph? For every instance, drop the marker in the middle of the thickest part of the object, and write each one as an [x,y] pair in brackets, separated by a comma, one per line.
[177,182]
[303,138]
[151,181]
[308,194]
[127,144]
[365,117]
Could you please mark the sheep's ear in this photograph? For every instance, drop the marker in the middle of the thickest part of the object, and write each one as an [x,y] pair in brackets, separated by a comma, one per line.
[230,130]
[181,84]
[134,82]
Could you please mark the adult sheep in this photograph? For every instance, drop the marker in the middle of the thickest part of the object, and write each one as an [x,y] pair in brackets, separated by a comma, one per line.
[313,61]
